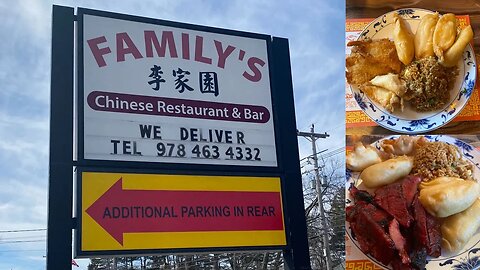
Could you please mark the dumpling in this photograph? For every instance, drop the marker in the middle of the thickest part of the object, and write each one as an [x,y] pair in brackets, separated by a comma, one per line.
[424,36]
[459,228]
[446,196]
[361,157]
[386,172]
[444,34]
[404,40]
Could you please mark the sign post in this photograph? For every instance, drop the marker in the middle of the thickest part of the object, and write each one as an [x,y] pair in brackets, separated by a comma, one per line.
[60,188]
[297,256]
[186,140]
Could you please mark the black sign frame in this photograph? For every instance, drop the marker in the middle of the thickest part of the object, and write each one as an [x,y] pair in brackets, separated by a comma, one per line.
[154,165]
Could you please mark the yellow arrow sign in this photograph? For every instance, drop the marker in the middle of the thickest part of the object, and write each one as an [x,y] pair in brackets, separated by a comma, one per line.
[122,211]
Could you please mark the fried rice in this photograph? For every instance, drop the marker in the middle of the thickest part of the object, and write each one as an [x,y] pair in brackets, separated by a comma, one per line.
[436,159]
[428,84]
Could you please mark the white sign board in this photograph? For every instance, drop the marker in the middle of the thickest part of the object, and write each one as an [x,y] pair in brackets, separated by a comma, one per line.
[155,93]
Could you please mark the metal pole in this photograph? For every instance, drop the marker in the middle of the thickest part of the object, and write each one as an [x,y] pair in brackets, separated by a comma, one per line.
[319,185]
[60,188]
[296,255]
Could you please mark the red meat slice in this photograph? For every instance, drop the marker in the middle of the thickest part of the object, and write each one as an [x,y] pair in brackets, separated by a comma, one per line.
[368,224]
[426,230]
[392,200]
[399,240]
[434,247]
[420,233]
[360,195]
[410,187]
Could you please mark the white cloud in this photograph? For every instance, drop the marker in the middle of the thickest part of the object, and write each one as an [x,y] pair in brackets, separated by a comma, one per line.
[25,50]
[27,208]
[35,15]
[23,144]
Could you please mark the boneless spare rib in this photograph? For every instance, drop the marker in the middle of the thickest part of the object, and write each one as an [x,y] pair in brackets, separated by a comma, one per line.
[392,226]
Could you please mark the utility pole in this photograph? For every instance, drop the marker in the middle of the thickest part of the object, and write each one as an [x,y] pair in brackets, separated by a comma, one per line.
[319,184]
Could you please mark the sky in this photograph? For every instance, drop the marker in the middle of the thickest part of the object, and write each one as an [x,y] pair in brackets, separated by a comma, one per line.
[315,29]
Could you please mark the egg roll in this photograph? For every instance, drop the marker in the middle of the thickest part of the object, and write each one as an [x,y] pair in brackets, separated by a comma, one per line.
[459,228]
[446,196]
[386,172]
[453,54]
[361,157]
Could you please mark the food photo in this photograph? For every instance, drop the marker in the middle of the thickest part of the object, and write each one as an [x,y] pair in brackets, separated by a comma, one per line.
[410,70]
[412,202]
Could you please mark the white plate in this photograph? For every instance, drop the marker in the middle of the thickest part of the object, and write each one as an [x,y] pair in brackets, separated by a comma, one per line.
[409,121]
[466,259]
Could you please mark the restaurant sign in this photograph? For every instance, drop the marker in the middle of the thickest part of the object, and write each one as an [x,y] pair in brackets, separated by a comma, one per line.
[185,140]
[168,93]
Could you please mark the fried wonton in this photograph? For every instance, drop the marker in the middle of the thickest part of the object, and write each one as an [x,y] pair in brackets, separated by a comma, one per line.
[386,98]
[371,58]
[403,145]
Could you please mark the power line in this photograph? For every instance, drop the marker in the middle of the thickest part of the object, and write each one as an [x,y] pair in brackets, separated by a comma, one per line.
[309,156]
[339,149]
[333,153]
[22,237]
[21,241]
[22,250]
[341,125]
[27,230]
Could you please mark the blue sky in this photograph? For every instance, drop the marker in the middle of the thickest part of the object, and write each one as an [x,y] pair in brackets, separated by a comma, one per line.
[315,30]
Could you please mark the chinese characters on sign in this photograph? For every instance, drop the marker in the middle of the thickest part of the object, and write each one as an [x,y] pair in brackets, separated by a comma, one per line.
[181,81]
[208,82]
[157,77]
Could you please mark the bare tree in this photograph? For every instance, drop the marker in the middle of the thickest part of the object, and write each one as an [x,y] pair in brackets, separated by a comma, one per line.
[333,200]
